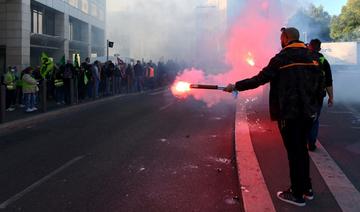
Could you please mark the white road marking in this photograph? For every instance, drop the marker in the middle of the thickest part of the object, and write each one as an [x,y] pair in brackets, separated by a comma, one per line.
[166,106]
[345,193]
[256,196]
[38,183]
[340,112]
[159,92]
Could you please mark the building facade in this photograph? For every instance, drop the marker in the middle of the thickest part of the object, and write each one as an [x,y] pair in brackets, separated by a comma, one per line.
[57,27]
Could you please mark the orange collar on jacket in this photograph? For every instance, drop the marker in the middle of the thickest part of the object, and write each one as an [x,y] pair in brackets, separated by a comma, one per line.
[295,45]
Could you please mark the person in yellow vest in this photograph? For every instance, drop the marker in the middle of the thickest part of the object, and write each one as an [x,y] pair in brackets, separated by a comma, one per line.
[10,83]
[150,74]
[58,86]
[19,93]
[29,89]
[315,47]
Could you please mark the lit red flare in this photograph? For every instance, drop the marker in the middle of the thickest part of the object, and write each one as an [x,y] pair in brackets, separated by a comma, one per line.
[182,86]
[181,89]
[207,87]
[250,59]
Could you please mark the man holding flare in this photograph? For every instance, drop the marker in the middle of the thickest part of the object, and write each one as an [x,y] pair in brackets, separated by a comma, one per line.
[296,85]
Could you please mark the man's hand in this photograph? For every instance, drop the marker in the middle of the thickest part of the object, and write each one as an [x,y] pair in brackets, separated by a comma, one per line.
[330,102]
[230,88]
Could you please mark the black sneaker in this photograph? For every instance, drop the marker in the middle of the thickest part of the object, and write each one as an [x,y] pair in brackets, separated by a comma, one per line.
[312,147]
[287,196]
[309,194]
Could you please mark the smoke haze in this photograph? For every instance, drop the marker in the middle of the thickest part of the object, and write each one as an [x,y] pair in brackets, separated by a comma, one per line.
[162,30]
[152,29]
[255,35]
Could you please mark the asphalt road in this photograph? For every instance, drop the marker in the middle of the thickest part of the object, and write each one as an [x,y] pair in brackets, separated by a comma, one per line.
[148,152]
[152,152]
[339,134]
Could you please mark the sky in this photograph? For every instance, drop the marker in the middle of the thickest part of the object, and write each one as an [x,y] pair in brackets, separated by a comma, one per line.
[332,6]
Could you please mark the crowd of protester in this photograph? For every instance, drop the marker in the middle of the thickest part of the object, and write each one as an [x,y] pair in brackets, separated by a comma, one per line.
[83,81]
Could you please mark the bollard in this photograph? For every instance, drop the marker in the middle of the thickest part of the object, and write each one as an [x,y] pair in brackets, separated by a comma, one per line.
[2,103]
[43,94]
[71,91]
[76,90]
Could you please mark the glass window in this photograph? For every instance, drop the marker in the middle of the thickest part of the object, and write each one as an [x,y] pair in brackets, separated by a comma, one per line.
[74,3]
[40,23]
[85,6]
[94,10]
[49,22]
[101,15]
[37,21]
[34,22]
[71,31]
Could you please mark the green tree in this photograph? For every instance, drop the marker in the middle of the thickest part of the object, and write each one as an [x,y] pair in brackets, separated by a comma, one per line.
[315,21]
[346,26]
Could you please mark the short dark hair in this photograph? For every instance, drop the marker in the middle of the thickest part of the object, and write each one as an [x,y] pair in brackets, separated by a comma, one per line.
[316,44]
[291,32]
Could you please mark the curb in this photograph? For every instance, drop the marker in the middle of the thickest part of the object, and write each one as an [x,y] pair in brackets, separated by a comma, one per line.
[255,194]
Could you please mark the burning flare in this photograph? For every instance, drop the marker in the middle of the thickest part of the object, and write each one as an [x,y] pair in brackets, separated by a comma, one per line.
[180,89]
[250,59]
[182,86]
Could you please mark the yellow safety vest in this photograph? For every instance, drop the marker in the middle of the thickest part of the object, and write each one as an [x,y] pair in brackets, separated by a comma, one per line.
[10,81]
[58,83]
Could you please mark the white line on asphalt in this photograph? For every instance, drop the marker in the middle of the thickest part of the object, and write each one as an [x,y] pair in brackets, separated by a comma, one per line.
[166,106]
[353,111]
[256,196]
[345,193]
[38,183]
[340,112]
[159,92]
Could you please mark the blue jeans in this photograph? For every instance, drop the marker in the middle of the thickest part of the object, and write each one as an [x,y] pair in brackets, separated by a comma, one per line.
[29,100]
[314,129]
[139,83]
[97,84]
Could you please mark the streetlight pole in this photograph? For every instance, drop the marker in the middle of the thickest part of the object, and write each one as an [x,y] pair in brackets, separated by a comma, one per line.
[107,50]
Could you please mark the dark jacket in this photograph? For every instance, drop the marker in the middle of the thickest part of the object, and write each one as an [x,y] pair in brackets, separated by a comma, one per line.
[296,83]
[139,70]
[326,70]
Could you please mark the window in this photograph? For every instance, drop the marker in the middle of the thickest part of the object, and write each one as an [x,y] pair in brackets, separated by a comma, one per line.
[71,30]
[37,21]
[76,29]
[94,10]
[74,3]
[101,15]
[85,6]
[49,23]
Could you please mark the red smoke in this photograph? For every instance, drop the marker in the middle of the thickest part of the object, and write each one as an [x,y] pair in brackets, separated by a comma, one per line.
[253,39]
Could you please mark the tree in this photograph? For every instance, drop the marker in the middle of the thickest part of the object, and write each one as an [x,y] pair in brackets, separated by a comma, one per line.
[346,26]
[315,21]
